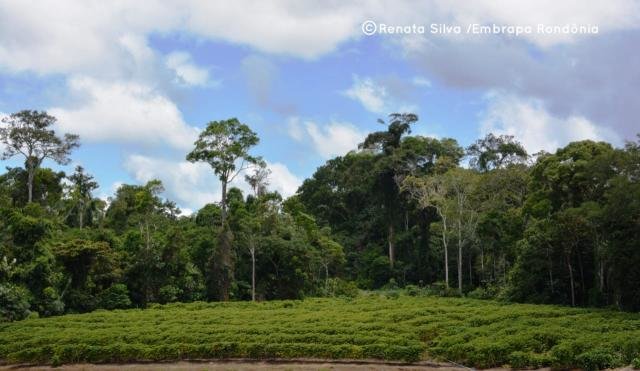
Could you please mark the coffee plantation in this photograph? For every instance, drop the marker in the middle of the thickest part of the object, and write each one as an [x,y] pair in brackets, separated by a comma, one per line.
[382,326]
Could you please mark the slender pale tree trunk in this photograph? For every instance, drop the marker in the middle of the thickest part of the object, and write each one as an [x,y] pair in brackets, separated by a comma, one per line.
[253,273]
[446,250]
[326,276]
[459,256]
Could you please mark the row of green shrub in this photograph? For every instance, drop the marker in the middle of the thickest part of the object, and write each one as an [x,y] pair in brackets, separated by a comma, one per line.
[128,352]
[479,333]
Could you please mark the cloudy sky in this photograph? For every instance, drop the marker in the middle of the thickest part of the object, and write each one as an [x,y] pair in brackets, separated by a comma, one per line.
[137,80]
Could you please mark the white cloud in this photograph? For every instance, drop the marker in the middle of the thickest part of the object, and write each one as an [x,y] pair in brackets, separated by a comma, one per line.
[123,111]
[104,195]
[2,115]
[76,37]
[333,139]
[583,75]
[608,16]
[187,73]
[66,36]
[193,185]
[530,123]
[283,180]
[109,42]
[185,211]
[190,185]
[421,82]
[371,95]
[386,94]
[328,140]
[278,27]
[295,129]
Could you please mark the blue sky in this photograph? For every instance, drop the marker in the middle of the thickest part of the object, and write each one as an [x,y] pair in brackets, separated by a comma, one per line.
[137,81]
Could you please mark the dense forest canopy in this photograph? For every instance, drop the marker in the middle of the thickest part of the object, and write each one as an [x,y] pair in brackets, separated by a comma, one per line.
[486,221]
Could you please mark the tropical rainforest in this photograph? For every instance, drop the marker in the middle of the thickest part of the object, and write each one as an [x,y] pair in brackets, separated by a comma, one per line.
[485,221]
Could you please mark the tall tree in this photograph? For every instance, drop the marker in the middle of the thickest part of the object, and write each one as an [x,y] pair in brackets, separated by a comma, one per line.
[28,133]
[460,184]
[222,144]
[386,143]
[259,179]
[494,152]
[431,192]
[450,194]
[82,186]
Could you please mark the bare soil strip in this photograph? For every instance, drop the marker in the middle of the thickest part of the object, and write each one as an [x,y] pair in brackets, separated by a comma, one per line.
[247,365]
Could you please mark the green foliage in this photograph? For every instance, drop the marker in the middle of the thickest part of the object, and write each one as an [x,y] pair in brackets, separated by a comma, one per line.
[598,360]
[440,288]
[336,287]
[222,143]
[474,333]
[14,302]
[494,152]
[51,303]
[29,134]
[490,292]
[412,290]
[115,297]
[398,214]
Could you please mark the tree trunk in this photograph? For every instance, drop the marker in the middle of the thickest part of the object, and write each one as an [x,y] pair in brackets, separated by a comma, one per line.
[326,277]
[494,270]
[30,176]
[81,214]
[147,236]
[459,257]
[460,269]
[573,294]
[225,266]
[406,221]
[446,252]
[446,266]
[253,273]
[392,252]
[223,202]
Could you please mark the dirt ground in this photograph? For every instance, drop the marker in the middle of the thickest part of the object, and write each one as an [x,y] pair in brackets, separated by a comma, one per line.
[247,366]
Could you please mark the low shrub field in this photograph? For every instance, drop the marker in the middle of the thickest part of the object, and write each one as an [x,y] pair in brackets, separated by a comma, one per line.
[388,327]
